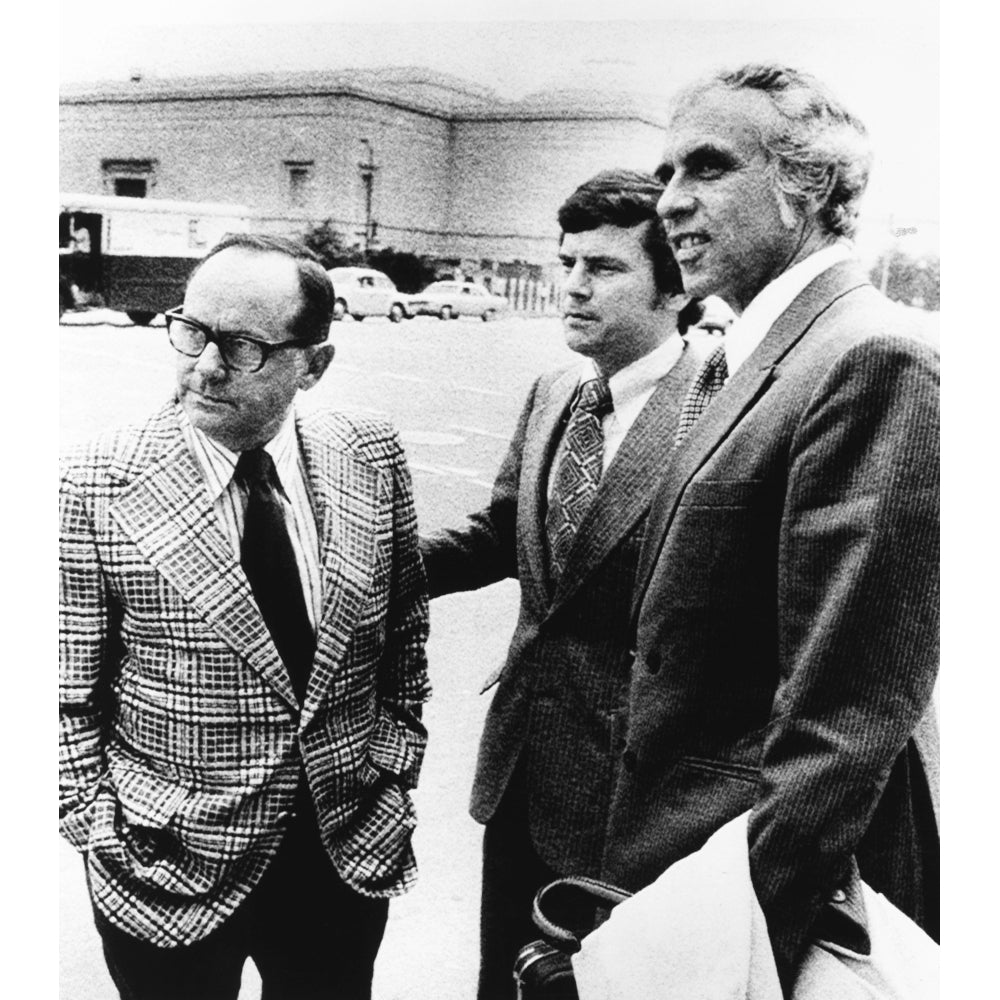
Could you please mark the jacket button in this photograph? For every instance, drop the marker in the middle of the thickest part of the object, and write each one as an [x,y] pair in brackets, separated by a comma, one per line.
[839,896]
[630,760]
[653,661]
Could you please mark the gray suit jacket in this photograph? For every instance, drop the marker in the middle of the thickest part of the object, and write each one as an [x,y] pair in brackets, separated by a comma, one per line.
[560,702]
[786,621]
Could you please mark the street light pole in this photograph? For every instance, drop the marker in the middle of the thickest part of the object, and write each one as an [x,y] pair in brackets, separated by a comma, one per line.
[368,168]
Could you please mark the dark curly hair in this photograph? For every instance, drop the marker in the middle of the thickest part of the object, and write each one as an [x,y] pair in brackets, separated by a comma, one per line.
[625,198]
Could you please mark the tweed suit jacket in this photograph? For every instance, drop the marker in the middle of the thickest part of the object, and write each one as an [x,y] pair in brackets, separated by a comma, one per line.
[786,622]
[181,740]
[560,700]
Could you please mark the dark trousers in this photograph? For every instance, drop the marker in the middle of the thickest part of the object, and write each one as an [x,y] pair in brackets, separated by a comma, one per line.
[512,874]
[310,935]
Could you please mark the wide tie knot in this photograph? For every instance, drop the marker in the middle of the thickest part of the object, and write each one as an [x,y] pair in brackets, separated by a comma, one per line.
[595,397]
[255,467]
[714,371]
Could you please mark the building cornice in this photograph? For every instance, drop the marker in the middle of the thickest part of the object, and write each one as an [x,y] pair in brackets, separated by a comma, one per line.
[414,89]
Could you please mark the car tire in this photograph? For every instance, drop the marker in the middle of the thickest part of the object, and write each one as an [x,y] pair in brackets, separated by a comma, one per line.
[489,314]
[396,313]
[446,312]
[66,298]
[339,309]
[140,316]
[357,317]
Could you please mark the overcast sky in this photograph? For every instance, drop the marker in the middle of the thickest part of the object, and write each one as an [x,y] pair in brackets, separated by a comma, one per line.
[880,57]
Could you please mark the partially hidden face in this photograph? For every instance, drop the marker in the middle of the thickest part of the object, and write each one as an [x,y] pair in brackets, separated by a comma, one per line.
[612,311]
[254,293]
[730,229]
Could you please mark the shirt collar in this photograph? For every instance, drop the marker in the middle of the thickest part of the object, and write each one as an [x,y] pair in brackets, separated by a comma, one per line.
[749,329]
[635,380]
[218,463]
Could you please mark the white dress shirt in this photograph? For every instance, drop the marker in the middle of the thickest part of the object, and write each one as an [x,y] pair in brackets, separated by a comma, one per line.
[749,329]
[631,388]
[229,498]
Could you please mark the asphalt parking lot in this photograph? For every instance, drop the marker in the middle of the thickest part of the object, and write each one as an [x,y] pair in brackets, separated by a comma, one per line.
[454,390]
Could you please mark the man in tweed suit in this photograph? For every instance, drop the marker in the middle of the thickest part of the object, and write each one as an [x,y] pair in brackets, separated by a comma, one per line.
[225,805]
[786,611]
[543,779]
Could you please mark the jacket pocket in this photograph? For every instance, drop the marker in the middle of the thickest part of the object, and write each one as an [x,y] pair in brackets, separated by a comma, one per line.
[726,768]
[147,798]
[721,492]
[394,750]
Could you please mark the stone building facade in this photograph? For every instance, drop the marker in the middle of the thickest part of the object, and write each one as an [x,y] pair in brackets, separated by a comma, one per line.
[406,158]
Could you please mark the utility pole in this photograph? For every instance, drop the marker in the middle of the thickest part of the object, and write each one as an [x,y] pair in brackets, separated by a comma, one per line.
[368,168]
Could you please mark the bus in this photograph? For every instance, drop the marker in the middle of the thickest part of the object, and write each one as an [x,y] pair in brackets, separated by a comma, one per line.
[134,254]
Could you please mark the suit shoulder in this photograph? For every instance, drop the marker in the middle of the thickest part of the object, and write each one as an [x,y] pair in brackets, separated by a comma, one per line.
[555,381]
[369,439]
[866,316]
[116,453]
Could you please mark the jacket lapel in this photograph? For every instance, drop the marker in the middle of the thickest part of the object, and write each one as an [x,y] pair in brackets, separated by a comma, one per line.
[740,394]
[541,439]
[345,495]
[166,511]
[627,487]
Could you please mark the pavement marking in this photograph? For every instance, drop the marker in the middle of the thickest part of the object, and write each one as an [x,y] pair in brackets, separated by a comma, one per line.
[449,472]
[457,470]
[430,438]
[421,380]
[160,366]
[481,431]
[481,392]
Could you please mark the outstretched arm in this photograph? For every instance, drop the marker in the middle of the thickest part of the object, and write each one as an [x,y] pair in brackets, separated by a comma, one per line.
[484,550]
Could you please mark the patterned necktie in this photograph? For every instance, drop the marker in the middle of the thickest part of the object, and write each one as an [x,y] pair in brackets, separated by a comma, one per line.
[579,471]
[268,559]
[707,384]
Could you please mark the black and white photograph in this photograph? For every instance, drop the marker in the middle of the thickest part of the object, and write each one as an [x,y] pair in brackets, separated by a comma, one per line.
[499,479]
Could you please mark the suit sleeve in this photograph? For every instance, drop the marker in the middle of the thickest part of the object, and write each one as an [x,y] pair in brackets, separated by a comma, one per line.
[403,681]
[86,643]
[484,551]
[858,624]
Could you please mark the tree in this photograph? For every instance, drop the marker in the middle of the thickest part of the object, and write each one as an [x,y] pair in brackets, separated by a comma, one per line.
[914,281]
[330,246]
[408,271]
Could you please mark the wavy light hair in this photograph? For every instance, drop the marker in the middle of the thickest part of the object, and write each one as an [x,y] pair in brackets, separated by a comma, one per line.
[822,155]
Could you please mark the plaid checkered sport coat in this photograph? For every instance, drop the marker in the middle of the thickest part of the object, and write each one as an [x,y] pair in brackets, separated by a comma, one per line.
[181,742]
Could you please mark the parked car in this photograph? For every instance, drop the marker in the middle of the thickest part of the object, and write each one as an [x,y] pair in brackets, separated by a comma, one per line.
[361,292]
[451,299]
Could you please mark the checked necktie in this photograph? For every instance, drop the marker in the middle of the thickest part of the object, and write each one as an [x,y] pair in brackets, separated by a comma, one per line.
[268,559]
[579,471]
[707,384]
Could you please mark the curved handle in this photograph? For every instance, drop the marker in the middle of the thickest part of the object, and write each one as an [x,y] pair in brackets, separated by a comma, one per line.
[563,937]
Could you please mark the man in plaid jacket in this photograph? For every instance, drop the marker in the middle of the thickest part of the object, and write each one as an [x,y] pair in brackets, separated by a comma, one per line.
[222,814]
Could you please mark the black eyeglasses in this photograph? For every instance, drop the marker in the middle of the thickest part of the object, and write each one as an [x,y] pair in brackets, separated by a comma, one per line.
[240,352]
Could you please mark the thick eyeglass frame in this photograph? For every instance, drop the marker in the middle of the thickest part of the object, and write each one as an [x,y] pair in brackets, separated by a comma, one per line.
[223,341]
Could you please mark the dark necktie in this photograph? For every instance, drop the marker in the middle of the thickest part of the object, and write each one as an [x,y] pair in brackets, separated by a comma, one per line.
[579,472]
[707,384]
[268,560]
